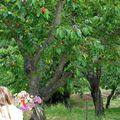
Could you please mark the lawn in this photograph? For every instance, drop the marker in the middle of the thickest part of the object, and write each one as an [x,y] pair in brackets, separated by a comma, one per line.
[79,112]
[59,112]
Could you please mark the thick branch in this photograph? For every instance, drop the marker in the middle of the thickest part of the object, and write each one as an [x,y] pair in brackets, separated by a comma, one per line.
[51,88]
[57,76]
[56,22]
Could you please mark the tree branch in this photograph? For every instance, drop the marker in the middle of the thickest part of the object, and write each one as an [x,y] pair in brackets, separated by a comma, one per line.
[51,88]
[56,22]
[56,78]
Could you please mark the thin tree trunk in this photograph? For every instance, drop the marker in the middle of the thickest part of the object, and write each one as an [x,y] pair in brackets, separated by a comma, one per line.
[110,96]
[66,97]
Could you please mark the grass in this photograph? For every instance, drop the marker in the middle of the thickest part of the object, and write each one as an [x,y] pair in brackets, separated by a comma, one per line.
[113,114]
[59,112]
[78,112]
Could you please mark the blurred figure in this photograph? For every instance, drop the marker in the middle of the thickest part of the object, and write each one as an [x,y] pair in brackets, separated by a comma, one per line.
[7,110]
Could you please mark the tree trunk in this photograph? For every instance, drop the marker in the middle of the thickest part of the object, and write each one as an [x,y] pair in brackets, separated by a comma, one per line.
[57,81]
[32,74]
[93,76]
[66,97]
[110,96]
[47,91]
[98,101]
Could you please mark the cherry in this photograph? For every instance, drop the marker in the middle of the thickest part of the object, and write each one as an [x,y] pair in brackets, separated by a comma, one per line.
[80,46]
[43,10]
[90,46]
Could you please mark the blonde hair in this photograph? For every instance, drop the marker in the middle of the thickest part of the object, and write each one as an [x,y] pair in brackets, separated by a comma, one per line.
[5,96]
[5,100]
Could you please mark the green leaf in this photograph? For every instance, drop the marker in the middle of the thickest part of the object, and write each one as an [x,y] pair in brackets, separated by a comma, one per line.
[46,14]
[7,1]
[68,0]
[74,6]
[60,33]
[38,12]
[19,4]
[72,35]
[77,72]
[85,31]
[34,2]
[79,33]
[58,50]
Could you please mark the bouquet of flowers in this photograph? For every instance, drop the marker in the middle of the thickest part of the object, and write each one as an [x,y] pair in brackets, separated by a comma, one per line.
[25,101]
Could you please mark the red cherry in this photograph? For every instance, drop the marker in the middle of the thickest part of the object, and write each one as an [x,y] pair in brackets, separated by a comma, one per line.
[43,10]
[90,46]
[81,46]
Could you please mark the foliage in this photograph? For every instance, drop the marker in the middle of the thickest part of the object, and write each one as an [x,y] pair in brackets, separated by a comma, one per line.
[11,66]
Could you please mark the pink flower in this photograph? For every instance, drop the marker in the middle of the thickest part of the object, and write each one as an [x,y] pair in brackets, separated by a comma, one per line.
[33,105]
[37,99]
[24,108]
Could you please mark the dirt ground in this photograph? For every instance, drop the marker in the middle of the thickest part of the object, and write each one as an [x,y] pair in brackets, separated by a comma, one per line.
[76,99]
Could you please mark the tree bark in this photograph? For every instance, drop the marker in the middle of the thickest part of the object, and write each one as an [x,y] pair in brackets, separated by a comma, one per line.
[66,97]
[46,92]
[57,80]
[93,76]
[98,101]
[32,74]
[110,96]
